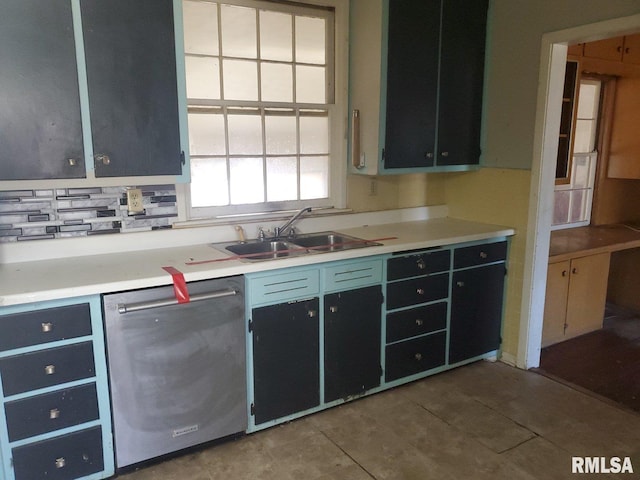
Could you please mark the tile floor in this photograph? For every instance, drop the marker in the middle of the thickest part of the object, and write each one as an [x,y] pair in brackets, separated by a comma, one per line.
[483,421]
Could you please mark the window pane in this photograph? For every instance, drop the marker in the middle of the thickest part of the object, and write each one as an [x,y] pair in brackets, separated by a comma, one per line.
[280,134]
[310,84]
[200,27]
[561,207]
[206,134]
[277,82]
[209,183]
[247,180]
[310,40]
[584,136]
[314,135]
[578,204]
[240,80]
[245,134]
[580,169]
[238,32]
[282,179]
[203,77]
[588,100]
[314,177]
[276,36]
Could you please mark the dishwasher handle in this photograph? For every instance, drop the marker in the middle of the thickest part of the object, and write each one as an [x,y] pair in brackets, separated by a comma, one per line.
[136,307]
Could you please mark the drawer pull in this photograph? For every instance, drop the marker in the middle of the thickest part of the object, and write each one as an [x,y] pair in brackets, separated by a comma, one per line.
[50,369]
[61,462]
[54,413]
[419,322]
[418,356]
[421,264]
[47,327]
[460,284]
[420,291]
[333,309]
[312,313]
[483,255]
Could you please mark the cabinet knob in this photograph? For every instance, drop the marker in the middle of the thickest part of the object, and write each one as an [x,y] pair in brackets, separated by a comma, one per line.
[483,255]
[418,356]
[102,158]
[333,308]
[50,369]
[445,154]
[47,327]
[54,413]
[564,273]
[61,462]
[312,313]
[420,291]
[428,155]
[419,322]
[72,162]
[421,264]
[574,270]
[460,284]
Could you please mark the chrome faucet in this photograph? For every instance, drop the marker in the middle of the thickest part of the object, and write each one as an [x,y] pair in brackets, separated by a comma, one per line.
[281,231]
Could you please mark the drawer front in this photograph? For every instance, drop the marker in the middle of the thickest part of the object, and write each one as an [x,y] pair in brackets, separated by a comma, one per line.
[417,321]
[29,371]
[51,411]
[284,286]
[479,254]
[42,326]
[415,356]
[430,261]
[417,290]
[69,456]
[352,275]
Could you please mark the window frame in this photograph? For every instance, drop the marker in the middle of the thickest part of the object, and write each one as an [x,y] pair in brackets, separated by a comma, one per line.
[337,111]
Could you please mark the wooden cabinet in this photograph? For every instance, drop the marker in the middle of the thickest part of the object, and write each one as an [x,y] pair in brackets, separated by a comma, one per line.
[477,294]
[40,125]
[575,297]
[617,49]
[624,147]
[425,113]
[131,73]
[57,422]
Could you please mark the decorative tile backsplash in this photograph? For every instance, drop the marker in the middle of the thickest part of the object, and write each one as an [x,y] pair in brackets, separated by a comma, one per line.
[75,212]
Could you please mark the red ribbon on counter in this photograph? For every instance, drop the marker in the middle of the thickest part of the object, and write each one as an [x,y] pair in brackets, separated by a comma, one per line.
[179,284]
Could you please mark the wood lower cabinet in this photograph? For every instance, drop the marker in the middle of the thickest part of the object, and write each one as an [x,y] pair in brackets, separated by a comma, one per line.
[286,359]
[575,297]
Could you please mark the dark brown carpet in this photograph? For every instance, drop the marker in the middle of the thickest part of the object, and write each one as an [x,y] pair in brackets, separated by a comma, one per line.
[606,362]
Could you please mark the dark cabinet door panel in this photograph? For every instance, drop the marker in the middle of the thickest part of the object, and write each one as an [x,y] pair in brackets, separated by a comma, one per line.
[476,311]
[131,71]
[40,126]
[286,359]
[415,356]
[352,342]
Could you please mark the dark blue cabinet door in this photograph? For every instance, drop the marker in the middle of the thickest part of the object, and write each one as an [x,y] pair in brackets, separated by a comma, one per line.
[40,126]
[131,72]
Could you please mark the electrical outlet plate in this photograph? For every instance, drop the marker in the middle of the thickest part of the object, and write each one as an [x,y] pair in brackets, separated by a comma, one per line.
[134,201]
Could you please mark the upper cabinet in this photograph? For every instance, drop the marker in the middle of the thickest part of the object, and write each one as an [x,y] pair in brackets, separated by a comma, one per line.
[133,96]
[88,89]
[419,97]
[619,49]
[40,125]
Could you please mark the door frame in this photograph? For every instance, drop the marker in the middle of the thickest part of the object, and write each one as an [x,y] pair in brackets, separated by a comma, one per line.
[553,55]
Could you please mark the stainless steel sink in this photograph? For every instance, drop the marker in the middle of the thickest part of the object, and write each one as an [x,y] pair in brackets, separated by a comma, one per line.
[271,249]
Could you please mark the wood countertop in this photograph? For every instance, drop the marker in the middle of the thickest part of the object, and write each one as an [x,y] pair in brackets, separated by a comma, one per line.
[575,242]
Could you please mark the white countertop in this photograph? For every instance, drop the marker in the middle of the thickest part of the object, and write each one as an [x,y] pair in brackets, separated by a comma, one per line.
[42,280]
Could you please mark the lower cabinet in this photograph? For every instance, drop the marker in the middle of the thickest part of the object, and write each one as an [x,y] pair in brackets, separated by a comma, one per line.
[54,398]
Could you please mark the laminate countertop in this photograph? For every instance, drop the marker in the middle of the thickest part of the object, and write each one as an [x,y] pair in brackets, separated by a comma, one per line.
[575,242]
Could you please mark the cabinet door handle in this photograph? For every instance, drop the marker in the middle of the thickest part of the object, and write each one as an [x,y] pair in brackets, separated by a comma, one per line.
[428,155]
[61,462]
[421,264]
[333,308]
[564,273]
[420,291]
[102,158]
[47,327]
[72,162]
[54,413]
[460,284]
[483,255]
[445,154]
[574,270]
[418,356]
[50,369]
[419,322]
[312,313]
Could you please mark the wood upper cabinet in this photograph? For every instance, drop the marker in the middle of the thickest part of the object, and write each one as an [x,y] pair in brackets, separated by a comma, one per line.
[575,298]
[624,148]
[618,49]
[40,124]
[132,82]
[631,52]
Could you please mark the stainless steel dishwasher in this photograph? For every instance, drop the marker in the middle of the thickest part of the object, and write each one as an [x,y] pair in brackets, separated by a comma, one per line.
[177,371]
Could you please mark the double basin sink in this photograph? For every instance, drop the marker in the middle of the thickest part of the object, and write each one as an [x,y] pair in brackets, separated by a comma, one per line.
[302,244]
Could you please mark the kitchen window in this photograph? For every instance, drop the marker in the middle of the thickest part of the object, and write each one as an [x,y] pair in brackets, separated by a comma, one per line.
[266,107]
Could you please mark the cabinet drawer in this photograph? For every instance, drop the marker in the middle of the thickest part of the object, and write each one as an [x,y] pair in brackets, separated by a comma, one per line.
[417,321]
[352,275]
[42,326]
[29,371]
[69,456]
[417,290]
[415,356]
[479,254]
[430,261]
[51,411]
[284,286]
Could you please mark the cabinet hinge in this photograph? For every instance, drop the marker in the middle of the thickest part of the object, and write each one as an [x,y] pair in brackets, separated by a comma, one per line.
[250,325]
[182,159]
[253,410]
